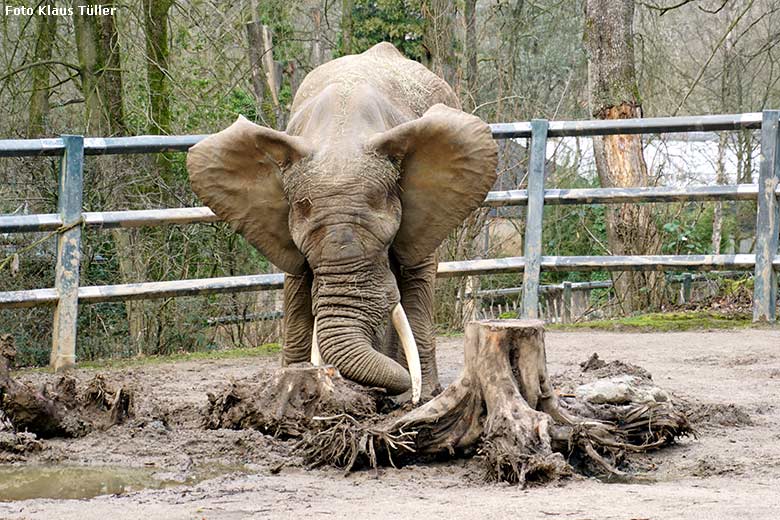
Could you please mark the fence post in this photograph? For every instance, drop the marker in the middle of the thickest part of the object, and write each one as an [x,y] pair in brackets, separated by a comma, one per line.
[687,287]
[533,224]
[66,278]
[567,302]
[765,288]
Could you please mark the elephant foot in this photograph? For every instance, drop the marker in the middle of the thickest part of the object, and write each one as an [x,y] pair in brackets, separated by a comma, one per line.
[503,408]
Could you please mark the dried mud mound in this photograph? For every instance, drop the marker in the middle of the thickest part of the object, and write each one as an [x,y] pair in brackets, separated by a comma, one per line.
[716,415]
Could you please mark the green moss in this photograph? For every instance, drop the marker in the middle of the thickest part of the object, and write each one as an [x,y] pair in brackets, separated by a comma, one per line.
[267,349]
[663,322]
[450,333]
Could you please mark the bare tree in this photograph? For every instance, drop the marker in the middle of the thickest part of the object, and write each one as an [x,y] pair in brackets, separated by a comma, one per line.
[157,76]
[346,26]
[97,43]
[39,97]
[440,39]
[614,94]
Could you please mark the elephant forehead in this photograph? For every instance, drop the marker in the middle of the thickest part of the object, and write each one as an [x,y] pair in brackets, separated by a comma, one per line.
[365,172]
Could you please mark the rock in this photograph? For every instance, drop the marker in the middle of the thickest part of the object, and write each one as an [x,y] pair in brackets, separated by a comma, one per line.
[620,390]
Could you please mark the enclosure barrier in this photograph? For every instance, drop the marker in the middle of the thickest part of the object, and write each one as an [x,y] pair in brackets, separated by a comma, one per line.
[67,223]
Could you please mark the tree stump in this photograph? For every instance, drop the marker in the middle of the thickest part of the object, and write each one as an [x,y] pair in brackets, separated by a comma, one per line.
[501,408]
[284,403]
[503,397]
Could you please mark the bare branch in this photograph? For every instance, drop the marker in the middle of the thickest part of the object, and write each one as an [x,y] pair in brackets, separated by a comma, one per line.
[663,10]
[40,64]
[712,55]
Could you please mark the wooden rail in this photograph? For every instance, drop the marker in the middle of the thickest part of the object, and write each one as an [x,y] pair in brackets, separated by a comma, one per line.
[67,223]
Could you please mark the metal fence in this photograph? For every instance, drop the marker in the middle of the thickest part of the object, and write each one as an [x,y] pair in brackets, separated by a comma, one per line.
[68,222]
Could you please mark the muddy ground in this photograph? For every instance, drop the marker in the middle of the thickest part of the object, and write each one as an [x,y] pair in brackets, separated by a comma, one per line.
[731,380]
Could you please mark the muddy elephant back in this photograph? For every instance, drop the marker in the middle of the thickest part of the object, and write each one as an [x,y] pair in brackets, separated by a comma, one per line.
[404,82]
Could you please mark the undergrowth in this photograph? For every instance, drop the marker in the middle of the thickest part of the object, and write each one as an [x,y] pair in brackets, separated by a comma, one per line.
[664,322]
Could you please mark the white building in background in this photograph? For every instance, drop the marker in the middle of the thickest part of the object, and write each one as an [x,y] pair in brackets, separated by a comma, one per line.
[685,159]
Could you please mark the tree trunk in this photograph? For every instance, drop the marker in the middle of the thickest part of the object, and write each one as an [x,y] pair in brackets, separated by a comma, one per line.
[255,51]
[97,45]
[158,79]
[440,39]
[132,269]
[730,102]
[717,213]
[159,84]
[614,94]
[273,74]
[346,26]
[39,98]
[469,96]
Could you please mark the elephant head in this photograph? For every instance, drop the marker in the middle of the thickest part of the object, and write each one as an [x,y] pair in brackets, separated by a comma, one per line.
[346,203]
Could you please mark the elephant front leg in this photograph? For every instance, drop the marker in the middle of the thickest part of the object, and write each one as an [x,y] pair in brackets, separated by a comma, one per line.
[416,285]
[298,319]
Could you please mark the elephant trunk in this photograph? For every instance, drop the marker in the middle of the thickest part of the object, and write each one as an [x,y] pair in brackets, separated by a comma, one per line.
[350,307]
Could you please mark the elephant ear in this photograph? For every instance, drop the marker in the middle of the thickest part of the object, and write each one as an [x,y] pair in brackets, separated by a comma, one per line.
[448,164]
[237,173]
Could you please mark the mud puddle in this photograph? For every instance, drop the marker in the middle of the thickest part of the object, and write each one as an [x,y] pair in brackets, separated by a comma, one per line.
[81,482]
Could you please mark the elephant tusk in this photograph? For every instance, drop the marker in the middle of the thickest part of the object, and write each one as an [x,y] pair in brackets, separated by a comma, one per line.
[316,359]
[404,330]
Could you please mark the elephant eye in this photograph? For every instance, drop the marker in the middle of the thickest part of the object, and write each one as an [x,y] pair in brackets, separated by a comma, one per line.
[377,199]
[303,207]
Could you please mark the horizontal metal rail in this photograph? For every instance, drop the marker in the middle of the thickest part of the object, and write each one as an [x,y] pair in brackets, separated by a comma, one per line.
[516,264]
[162,217]
[100,145]
[623,195]
[146,290]
[109,219]
[575,286]
[265,282]
[155,143]
[598,284]
[245,318]
[650,125]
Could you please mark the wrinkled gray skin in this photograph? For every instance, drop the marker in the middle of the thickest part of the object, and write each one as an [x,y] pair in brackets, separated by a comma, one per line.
[349,182]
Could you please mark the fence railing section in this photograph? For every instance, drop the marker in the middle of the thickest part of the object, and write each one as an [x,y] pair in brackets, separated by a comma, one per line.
[68,221]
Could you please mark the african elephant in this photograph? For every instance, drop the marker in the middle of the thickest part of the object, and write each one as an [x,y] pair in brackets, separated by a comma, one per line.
[377,165]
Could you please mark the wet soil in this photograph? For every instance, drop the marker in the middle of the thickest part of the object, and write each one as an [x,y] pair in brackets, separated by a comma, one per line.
[728,380]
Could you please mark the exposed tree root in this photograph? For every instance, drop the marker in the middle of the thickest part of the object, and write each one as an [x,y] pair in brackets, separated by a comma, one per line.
[28,409]
[503,408]
[287,404]
[28,413]
[101,398]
